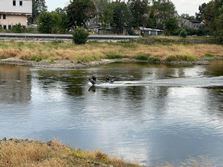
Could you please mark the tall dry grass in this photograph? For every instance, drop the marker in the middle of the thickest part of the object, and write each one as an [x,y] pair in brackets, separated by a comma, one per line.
[37,51]
[24,153]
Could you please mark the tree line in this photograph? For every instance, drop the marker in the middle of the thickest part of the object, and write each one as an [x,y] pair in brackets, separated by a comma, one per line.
[126,16]
[211,14]
[118,16]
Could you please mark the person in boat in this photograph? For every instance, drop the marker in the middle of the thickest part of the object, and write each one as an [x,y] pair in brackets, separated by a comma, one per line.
[109,79]
[93,80]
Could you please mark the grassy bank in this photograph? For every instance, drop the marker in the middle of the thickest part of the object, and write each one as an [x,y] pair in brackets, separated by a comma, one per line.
[52,51]
[24,153]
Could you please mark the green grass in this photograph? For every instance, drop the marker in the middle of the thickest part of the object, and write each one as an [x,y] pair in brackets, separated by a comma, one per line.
[113,56]
[147,58]
[173,58]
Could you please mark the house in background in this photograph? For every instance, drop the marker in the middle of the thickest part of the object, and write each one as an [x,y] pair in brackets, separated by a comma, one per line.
[150,31]
[14,12]
[190,24]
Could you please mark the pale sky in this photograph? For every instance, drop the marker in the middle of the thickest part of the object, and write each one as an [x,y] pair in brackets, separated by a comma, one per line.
[182,6]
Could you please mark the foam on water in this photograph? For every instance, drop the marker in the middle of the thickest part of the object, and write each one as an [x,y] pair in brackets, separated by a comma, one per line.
[176,82]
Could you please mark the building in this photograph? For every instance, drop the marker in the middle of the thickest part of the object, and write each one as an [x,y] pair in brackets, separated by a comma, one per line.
[14,12]
[190,24]
[150,31]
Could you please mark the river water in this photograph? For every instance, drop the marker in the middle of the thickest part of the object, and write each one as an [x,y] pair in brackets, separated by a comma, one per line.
[153,114]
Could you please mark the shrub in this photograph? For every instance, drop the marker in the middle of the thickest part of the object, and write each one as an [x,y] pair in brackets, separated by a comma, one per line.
[142,57]
[80,36]
[183,33]
[188,58]
[18,28]
[148,58]
[113,56]
[209,55]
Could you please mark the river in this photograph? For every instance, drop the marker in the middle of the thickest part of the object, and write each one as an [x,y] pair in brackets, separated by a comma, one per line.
[152,114]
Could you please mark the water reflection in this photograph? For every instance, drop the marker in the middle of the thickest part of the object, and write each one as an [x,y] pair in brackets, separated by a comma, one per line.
[149,124]
[15,84]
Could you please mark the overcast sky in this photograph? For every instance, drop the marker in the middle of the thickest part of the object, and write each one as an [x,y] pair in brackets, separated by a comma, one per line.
[182,6]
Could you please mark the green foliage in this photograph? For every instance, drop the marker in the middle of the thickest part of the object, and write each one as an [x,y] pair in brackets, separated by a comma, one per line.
[139,11]
[36,58]
[113,56]
[18,28]
[59,19]
[183,33]
[162,11]
[45,22]
[171,26]
[38,7]
[80,36]
[209,55]
[79,12]
[142,57]
[147,58]
[121,16]
[212,14]
[52,22]
[173,58]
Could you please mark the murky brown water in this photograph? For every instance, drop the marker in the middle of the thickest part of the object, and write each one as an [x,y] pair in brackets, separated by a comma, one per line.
[155,114]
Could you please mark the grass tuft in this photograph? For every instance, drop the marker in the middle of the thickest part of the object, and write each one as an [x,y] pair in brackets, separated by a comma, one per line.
[173,58]
[113,56]
[24,153]
[148,58]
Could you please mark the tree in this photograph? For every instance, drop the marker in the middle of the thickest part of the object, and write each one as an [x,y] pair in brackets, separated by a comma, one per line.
[104,12]
[121,17]
[212,15]
[60,22]
[53,22]
[139,10]
[38,6]
[106,17]
[45,22]
[163,10]
[171,26]
[79,12]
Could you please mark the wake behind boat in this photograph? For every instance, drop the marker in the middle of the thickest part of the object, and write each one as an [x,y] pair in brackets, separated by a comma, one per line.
[176,82]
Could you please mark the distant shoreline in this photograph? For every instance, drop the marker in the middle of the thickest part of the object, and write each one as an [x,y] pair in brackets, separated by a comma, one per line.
[64,64]
[67,55]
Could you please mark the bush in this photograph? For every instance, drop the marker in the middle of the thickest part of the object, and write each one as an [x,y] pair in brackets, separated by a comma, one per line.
[183,33]
[189,58]
[113,56]
[148,58]
[80,36]
[18,28]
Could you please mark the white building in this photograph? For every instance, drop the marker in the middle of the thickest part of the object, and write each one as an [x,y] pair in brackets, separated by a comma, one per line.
[150,31]
[14,12]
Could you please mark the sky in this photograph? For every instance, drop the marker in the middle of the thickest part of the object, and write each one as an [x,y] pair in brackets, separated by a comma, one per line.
[182,6]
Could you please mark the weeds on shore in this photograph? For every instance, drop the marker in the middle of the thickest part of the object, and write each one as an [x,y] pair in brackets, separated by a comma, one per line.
[94,51]
[24,153]
[188,58]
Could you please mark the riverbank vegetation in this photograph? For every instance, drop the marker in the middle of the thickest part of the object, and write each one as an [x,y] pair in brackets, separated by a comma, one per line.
[95,51]
[27,153]
[24,153]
